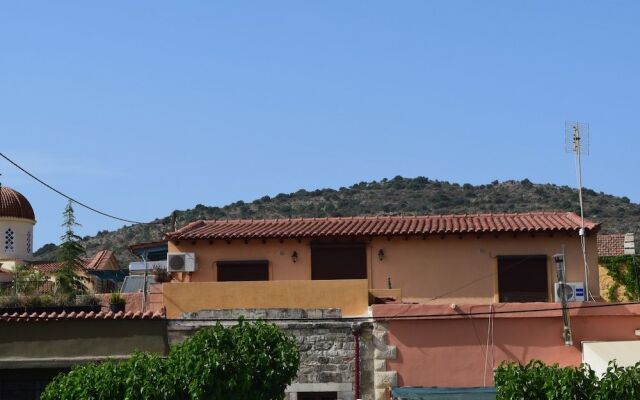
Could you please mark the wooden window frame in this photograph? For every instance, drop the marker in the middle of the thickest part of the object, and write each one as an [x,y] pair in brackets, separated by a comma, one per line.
[240,263]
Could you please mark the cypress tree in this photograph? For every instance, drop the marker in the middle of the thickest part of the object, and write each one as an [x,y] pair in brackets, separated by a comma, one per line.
[71,254]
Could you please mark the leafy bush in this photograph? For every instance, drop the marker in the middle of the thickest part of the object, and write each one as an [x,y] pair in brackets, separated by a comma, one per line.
[537,381]
[116,298]
[247,361]
[13,301]
[143,376]
[622,271]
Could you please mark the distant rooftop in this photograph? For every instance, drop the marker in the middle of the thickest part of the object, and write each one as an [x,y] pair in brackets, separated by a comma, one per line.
[615,244]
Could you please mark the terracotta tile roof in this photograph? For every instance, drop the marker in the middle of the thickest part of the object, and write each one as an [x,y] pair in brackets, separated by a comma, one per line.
[102,315]
[611,245]
[381,226]
[48,268]
[14,204]
[100,261]
[103,260]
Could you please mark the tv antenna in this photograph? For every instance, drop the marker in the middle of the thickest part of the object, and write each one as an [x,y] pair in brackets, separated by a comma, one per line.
[577,142]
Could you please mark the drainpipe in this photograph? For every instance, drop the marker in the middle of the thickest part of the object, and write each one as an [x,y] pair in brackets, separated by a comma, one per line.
[355,330]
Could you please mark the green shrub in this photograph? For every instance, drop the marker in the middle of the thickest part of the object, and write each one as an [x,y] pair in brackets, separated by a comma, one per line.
[13,301]
[620,383]
[116,298]
[537,381]
[247,361]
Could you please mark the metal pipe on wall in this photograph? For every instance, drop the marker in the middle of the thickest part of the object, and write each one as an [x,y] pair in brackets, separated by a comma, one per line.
[356,336]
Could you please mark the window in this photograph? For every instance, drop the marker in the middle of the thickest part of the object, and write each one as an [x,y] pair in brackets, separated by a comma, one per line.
[9,246]
[244,270]
[522,278]
[338,261]
[317,395]
[29,243]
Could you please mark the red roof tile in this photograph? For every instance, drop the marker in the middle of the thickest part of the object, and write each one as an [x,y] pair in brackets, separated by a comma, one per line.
[103,260]
[100,261]
[14,204]
[34,316]
[48,268]
[381,226]
[611,245]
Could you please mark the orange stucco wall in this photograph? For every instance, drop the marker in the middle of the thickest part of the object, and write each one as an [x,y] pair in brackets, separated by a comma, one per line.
[350,296]
[281,266]
[451,352]
[464,269]
[448,269]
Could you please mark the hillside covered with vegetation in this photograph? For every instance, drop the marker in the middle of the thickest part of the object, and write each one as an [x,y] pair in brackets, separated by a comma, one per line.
[411,196]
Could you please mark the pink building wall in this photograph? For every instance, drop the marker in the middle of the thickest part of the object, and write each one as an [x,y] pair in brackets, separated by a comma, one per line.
[450,350]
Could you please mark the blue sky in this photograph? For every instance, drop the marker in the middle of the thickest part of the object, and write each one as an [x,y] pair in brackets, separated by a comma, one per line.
[140,108]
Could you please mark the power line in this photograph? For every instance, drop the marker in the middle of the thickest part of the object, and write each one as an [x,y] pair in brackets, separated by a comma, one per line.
[460,314]
[71,198]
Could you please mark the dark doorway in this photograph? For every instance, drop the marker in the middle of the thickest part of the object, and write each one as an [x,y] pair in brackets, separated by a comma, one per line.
[317,396]
[249,270]
[338,261]
[522,279]
[26,384]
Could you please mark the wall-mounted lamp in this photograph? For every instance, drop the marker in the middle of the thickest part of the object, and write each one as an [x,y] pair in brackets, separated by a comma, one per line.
[294,256]
[380,254]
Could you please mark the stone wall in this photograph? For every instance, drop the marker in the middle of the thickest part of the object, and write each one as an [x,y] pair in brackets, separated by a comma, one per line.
[325,340]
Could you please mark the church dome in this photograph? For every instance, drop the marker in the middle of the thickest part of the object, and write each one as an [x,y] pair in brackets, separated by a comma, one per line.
[14,205]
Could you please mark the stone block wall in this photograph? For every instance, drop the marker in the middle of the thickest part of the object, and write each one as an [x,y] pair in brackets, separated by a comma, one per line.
[325,340]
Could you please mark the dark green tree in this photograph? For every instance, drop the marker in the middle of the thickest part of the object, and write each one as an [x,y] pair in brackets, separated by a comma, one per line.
[249,361]
[71,255]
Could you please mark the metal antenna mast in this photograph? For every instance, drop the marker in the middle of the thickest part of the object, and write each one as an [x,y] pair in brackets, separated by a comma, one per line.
[577,142]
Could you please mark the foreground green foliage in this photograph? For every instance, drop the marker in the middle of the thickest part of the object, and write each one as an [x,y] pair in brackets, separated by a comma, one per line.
[622,271]
[537,381]
[245,362]
[389,196]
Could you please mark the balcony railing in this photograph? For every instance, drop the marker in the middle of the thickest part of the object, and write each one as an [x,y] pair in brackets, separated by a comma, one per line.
[139,266]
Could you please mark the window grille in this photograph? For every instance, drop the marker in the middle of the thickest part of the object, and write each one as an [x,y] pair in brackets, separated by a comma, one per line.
[9,245]
[29,243]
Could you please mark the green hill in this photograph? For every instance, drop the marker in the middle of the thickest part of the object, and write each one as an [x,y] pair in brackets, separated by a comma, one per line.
[386,197]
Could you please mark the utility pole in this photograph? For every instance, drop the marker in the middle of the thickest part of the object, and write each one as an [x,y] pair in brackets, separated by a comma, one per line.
[635,263]
[562,287]
[577,142]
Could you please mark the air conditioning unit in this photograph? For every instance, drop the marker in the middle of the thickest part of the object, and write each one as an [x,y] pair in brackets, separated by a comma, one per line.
[181,262]
[574,291]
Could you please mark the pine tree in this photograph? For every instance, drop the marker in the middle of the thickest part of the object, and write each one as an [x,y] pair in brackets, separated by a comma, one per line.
[71,255]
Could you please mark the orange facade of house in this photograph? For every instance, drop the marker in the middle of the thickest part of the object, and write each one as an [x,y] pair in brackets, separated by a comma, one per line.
[434,269]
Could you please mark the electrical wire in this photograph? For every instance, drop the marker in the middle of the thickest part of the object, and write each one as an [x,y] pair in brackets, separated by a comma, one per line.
[486,353]
[420,316]
[482,277]
[73,199]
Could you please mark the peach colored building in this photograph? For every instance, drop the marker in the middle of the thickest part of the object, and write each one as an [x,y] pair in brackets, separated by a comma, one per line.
[474,259]
[426,279]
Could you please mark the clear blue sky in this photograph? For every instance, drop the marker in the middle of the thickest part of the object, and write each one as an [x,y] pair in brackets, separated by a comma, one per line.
[140,108]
